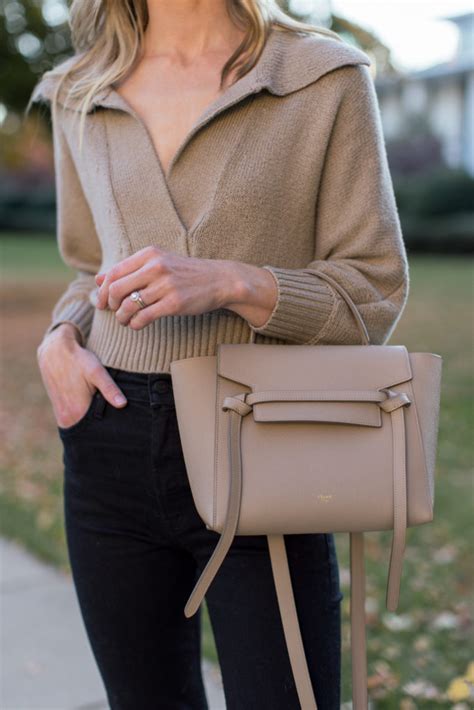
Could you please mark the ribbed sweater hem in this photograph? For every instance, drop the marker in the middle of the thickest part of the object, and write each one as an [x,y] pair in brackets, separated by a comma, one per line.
[169,338]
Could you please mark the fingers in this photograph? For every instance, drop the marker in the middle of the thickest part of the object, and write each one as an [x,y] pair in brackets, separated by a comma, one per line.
[123,268]
[122,288]
[168,306]
[111,392]
[129,309]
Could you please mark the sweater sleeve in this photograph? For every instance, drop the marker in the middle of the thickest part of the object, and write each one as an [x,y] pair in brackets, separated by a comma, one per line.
[77,240]
[358,238]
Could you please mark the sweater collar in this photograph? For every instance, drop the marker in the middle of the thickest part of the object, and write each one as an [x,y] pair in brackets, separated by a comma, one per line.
[287,63]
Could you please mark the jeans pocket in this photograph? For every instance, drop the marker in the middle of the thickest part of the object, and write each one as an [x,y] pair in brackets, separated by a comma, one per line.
[96,398]
[96,406]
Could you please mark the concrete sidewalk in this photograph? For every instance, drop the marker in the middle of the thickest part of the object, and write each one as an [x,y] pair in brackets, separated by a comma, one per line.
[46,661]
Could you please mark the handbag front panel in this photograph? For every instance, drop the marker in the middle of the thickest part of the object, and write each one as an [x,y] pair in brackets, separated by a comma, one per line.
[316,476]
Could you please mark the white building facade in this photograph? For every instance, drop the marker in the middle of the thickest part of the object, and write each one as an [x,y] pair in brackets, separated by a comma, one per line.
[442,96]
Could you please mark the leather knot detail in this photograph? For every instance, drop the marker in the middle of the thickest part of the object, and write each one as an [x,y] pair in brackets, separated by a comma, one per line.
[237,404]
[394,400]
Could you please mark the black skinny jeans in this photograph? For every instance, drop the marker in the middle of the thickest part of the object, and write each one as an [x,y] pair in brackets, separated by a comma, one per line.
[137,545]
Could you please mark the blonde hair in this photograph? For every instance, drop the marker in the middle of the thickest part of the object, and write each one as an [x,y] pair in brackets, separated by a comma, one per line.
[107,36]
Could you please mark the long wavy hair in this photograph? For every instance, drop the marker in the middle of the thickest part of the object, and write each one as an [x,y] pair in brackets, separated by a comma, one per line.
[107,38]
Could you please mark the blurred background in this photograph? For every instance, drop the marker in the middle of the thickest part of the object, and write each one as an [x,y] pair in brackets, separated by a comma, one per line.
[423,68]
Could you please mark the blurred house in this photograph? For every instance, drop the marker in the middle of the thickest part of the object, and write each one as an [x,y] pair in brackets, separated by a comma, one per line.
[437,101]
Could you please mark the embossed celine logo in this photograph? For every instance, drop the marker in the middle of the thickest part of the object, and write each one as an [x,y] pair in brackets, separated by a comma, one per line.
[325,498]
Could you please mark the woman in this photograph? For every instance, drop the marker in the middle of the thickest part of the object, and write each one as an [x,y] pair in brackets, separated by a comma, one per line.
[193,201]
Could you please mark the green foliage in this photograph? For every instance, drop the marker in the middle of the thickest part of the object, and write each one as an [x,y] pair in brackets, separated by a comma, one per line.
[446,234]
[32,40]
[437,210]
[438,192]
[27,209]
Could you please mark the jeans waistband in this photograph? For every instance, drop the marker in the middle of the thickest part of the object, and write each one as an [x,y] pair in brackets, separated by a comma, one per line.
[152,387]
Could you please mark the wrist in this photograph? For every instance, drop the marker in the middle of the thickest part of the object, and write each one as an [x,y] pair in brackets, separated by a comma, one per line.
[252,287]
[66,333]
[234,286]
[254,292]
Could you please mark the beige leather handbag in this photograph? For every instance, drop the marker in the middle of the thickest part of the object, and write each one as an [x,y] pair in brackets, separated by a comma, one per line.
[284,439]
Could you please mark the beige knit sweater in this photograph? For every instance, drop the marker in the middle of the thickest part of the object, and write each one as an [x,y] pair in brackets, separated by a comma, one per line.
[286,169]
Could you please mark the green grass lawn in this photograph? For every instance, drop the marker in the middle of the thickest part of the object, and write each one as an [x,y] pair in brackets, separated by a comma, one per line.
[28,254]
[415,654]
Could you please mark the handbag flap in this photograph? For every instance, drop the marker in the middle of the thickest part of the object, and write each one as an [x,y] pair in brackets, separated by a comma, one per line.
[269,366]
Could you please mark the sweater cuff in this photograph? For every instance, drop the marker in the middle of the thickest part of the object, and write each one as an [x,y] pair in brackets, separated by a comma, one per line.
[303,307]
[79,314]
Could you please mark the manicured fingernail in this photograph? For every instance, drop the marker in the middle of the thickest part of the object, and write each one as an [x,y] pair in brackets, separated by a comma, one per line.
[119,399]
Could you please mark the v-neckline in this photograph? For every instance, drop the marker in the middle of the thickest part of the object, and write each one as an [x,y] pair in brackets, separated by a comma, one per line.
[165,176]
[166,173]
[258,78]
[249,84]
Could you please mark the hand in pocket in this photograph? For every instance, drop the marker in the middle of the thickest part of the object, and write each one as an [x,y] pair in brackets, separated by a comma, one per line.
[72,374]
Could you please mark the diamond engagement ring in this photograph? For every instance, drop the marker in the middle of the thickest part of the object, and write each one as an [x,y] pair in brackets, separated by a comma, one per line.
[135,296]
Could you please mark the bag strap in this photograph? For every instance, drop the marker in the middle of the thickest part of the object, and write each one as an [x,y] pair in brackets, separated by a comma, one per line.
[238,407]
[342,291]
[345,295]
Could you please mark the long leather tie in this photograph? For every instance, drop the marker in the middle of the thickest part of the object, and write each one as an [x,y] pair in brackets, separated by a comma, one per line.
[239,406]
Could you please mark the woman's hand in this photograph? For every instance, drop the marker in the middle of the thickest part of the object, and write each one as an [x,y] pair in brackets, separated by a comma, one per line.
[72,374]
[171,284]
